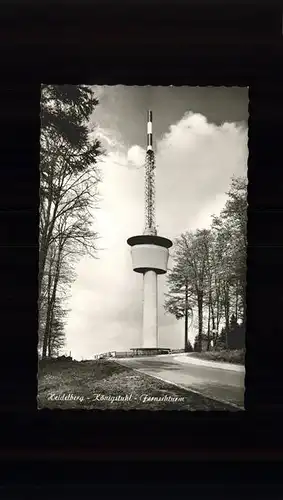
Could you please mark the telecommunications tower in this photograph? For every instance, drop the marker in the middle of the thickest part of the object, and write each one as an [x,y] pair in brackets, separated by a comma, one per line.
[150,252]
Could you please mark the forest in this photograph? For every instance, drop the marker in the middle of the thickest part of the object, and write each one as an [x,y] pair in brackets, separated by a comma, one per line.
[207,282]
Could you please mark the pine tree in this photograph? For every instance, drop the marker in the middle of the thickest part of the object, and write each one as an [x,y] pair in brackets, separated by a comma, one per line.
[66,110]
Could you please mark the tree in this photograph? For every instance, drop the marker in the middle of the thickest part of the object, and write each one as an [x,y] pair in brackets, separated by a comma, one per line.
[221,342]
[66,109]
[197,260]
[233,322]
[64,170]
[235,215]
[68,193]
[235,334]
[56,339]
[230,233]
[177,300]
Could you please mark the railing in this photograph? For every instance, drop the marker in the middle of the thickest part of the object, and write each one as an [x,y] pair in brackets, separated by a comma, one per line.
[124,354]
[114,354]
[109,354]
[128,354]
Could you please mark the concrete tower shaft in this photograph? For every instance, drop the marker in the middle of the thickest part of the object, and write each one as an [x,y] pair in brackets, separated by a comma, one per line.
[150,257]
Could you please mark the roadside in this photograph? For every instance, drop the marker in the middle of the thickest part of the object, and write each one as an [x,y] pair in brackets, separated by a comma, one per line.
[235,356]
[105,385]
[191,359]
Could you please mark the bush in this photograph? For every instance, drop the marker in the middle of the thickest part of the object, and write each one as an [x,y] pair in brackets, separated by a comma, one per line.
[233,356]
[54,360]
[64,358]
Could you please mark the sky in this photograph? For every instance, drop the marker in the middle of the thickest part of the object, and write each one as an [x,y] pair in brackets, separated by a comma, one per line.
[200,142]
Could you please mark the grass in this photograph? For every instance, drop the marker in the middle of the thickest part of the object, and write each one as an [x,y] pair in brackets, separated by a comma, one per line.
[235,356]
[93,381]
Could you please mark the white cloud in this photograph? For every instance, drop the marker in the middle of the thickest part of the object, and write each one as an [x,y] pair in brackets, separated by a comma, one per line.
[136,156]
[107,138]
[195,161]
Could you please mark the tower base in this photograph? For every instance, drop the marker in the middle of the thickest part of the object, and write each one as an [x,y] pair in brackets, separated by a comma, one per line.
[150,351]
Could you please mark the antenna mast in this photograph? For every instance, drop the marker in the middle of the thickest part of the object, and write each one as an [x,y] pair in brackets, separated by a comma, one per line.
[150,226]
[149,254]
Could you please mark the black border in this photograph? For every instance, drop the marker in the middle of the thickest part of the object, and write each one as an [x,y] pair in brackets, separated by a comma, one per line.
[176,44]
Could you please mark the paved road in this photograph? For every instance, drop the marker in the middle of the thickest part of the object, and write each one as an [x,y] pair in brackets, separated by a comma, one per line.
[220,384]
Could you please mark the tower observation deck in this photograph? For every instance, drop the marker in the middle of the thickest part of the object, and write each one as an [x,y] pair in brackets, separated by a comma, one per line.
[150,252]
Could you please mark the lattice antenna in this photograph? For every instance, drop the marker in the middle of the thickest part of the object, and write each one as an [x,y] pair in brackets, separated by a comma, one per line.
[150,226]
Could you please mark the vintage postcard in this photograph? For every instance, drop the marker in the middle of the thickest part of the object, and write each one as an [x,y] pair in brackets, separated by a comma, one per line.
[142,251]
